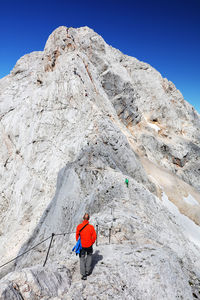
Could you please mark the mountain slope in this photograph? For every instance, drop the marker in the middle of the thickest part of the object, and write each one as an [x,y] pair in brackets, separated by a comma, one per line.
[82,114]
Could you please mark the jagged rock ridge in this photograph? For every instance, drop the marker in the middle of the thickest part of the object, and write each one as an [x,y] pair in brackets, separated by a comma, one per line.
[84,115]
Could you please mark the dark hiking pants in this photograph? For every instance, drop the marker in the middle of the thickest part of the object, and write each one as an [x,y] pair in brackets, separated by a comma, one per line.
[86,260]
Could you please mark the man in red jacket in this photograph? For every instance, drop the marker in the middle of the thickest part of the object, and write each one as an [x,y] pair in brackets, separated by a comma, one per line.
[88,237]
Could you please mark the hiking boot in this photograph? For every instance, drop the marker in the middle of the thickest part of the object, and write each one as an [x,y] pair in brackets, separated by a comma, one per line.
[88,273]
[84,277]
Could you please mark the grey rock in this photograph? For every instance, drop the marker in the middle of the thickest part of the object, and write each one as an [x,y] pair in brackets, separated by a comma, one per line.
[82,114]
[35,283]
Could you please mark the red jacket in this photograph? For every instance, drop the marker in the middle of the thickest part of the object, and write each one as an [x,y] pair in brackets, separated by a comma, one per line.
[88,234]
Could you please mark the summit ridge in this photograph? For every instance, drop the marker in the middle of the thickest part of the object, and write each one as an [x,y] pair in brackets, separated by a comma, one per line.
[75,120]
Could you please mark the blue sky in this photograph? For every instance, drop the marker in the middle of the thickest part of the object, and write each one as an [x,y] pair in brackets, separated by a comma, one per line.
[164,33]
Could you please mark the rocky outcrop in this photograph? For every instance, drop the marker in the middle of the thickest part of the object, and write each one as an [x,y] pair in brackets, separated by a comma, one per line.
[36,283]
[75,120]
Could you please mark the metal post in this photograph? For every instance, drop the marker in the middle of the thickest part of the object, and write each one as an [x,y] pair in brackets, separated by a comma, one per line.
[48,249]
[109,234]
[97,231]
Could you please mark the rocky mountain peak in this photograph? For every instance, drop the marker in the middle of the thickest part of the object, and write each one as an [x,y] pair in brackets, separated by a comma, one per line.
[76,120]
[63,38]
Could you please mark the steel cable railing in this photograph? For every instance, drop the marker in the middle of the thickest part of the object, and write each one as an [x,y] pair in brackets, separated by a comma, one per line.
[52,236]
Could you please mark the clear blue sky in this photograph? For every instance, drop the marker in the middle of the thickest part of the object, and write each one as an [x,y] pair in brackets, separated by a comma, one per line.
[164,33]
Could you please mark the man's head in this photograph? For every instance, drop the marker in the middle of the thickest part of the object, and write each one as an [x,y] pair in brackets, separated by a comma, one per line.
[86,217]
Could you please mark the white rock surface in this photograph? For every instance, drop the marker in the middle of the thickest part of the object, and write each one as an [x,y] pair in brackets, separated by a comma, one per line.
[189,199]
[84,115]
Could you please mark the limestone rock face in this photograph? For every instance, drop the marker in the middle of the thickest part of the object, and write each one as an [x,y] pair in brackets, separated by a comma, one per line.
[75,120]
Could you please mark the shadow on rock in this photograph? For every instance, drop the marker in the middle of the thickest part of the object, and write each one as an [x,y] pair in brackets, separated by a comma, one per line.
[95,259]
